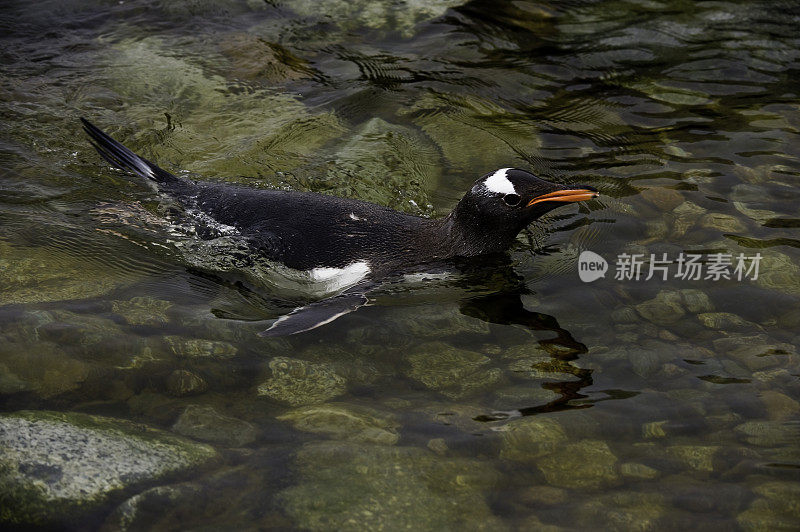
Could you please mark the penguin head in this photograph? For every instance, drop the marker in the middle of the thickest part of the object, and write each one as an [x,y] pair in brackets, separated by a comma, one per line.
[502,203]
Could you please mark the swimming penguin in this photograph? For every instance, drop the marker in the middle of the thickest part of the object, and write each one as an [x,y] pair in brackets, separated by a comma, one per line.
[353,244]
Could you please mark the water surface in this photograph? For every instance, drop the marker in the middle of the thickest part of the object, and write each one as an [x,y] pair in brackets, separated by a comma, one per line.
[513,397]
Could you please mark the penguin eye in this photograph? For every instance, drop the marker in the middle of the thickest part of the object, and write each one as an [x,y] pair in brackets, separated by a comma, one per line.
[512,200]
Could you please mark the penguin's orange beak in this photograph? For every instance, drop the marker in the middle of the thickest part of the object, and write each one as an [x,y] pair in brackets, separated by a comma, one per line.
[571,195]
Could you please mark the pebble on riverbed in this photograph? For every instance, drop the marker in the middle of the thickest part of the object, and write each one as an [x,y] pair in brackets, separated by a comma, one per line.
[345,422]
[298,382]
[352,486]
[453,372]
[143,310]
[529,438]
[585,464]
[206,424]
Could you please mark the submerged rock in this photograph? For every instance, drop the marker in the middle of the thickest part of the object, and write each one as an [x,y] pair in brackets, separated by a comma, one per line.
[10,382]
[779,272]
[266,130]
[645,362]
[43,368]
[299,382]
[345,422]
[697,457]
[472,132]
[232,498]
[181,383]
[626,510]
[142,510]
[453,372]
[28,275]
[253,58]
[206,424]
[438,445]
[545,368]
[686,215]
[524,395]
[723,222]
[143,310]
[400,16]
[677,96]
[769,433]
[779,406]
[528,438]
[750,199]
[586,464]
[778,508]
[755,351]
[54,466]
[432,321]
[349,486]
[199,348]
[666,199]
[696,301]
[725,321]
[664,309]
[384,163]
[542,495]
[634,470]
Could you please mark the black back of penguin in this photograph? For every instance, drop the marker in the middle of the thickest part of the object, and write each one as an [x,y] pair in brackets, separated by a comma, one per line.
[305,230]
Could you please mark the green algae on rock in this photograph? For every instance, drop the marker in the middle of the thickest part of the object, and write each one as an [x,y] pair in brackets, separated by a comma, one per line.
[55,465]
[299,382]
[349,486]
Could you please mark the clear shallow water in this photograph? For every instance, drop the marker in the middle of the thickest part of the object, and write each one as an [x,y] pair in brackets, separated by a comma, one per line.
[515,397]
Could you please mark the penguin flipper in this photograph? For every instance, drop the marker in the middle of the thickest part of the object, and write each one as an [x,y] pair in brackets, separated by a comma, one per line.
[120,156]
[316,314]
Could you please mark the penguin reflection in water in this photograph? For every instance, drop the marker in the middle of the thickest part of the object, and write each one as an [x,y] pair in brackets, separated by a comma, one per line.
[348,247]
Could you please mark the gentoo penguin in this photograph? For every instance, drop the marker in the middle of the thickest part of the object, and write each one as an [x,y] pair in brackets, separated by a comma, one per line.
[354,243]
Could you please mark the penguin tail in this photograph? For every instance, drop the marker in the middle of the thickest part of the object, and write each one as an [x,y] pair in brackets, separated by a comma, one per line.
[121,157]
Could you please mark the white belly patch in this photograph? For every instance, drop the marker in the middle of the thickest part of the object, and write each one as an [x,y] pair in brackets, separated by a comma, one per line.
[338,278]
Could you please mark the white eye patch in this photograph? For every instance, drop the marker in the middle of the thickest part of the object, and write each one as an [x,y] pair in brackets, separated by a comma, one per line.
[499,183]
